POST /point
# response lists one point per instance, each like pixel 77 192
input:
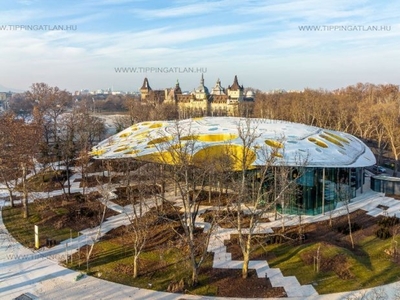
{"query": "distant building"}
pixel 147 94
pixel 277 91
pixel 84 92
pixel 5 96
pixel 4 100
pixel 201 102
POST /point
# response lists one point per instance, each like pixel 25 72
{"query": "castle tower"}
pixel 235 91
pixel 145 90
pixel 201 92
pixel 218 89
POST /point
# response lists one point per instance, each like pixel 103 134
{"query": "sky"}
pixel 79 44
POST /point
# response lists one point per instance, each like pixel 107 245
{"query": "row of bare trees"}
pixel 371 112
pixel 18 145
pixel 51 129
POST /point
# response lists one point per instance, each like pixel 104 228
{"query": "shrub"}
pixel 388 221
pixel 79 198
pixel 345 229
pixel 383 233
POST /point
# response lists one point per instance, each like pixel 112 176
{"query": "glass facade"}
pixel 385 184
pixel 313 191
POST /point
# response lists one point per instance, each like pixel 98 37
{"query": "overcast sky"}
pixel 259 41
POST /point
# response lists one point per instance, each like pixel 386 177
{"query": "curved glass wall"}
pixel 313 190
pixel 386 184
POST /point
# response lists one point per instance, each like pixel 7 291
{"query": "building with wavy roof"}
pixel 326 166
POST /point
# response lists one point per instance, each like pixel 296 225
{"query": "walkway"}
pixel 38 273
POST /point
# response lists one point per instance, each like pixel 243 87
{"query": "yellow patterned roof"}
pixel 196 141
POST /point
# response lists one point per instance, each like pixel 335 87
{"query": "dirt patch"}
pixel 161 231
pixel 384 207
pixel 95 165
pixel 71 211
pixel 47 181
pixel 213 198
pixel 229 283
pixel 228 219
pixel 93 181
pixel 331 232
pixel 319 232
pixel 338 264
pixel 131 195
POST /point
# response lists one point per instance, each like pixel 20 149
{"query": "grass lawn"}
pixel 157 268
pixel 23 229
pixel 46 181
pixel 370 267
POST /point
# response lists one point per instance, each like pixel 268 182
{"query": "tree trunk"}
pixel 11 197
pixel 135 266
pixel 68 179
pixel 195 275
pixel 10 192
pixel 245 268
pixel 25 192
pixel 246 253
pixel 349 224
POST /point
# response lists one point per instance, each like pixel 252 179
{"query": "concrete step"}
pixel 303 291
pixel 389 201
pixel 375 212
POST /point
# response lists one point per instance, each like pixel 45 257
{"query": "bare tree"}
pixel 67 145
pixel 189 180
pixel 21 105
pixel 50 103
pixel 122 122
pixel 254 199
pixel 390 119
pixel 18 149
pixel 105 190
pixel 138 111
pixel 83 163
pixel 9 168
pixel 343 192
pixel 139 225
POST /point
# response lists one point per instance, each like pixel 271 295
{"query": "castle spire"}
pixel 146 84
pixel 235 86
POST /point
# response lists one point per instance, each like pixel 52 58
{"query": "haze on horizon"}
pixel 259 41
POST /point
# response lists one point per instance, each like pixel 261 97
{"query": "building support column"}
pixel 362 179
pixel 323 191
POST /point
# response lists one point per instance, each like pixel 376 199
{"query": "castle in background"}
pixel 5 98
pixel 201 102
